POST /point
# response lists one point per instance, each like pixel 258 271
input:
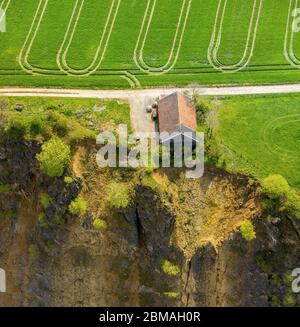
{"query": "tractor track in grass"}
pixel 177 41
pixel 271 129
pixel 216 38
pixel 140 70
pixel 63 68
pixel 98 58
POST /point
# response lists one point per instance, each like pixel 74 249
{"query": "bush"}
pixel 68 180
pixel 172 295
pixel 288 279
pixel 118 195
pixel 99 224
pixel 45 200
pixel 203 107
pixel 78 206
pixel 79 134
pixel 54 157
pixel 281 196
pixel 247 230
pixel 169 268
pixel 275 186
pixel 34 251
pixel 150 182
pixel 4 188
pixel 36 126
pixel 43 222
pixel 293 203
pixel 59 123
pixel 58 220
pixel 289 300
pixel 16 128
pixel 275 302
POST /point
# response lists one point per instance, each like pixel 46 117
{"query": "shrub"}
pixel 59 123
pixel 150 182
pixel 202 108
pixel 58 220
pixel 149 170
pixel 16 128
pixel 118 195
pixel 247 230
pixel 36 126
pixel 293 203
pixel 172 295
pixel 99 224
pixel 288 279
pixel 78 206
pixel 79 134
pixel 45 200
pixel 275 280
pixel 4 188
pixel 68 180
pixel 34 251
pixel 43 222
pixel 275 302
pixel 275 186
pixel 280 195
pixel 54 157
pixel 289 300
pixel 169 268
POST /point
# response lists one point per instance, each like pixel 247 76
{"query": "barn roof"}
pixel 176 113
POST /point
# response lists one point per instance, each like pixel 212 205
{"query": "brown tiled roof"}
pixel 174 111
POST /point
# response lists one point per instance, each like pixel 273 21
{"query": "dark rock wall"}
pixel 78 266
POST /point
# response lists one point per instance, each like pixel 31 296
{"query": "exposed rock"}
pixel 19 107
pixel 87 222
pixel 121 265
pixel 3 154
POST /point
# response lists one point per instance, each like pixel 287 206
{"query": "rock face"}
pixel 240 273
pixel 121 266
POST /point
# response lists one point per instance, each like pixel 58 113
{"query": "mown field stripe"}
pixel 30 38
pixel 177 41
pixel 217 36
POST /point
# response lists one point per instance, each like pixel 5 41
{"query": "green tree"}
pixel 247 230
pixel 78 206
pixel 275 186
pixel 99 224
pixel 45 200
pixel 280 196
pixel 169 268
pixel 118 195
pixel 68 180
pixel 54 157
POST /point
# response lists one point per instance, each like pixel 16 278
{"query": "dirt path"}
pixel 126 94
pixel 139 98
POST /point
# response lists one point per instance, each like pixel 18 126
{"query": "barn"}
pixel 176 118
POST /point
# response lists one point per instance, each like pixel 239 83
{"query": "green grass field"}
pixel 144 43
pixel 260 135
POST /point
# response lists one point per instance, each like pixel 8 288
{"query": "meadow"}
pixel 130 43
pixel 260 135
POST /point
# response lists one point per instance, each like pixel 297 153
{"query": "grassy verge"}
pixel 70 119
